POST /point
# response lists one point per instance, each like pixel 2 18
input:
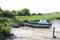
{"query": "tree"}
pixel 13 12
pixel 7 13
pixel 4 29
pixel 40 14
pixel 1 14
pixel 20 13
pixel 34 14
pixel 25 11
pixel 0 9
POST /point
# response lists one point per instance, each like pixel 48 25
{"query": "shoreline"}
pixel 28 33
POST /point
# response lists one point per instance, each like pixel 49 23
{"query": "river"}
pixel 28 33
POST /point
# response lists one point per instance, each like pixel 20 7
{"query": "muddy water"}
pixel 28 33
pixel 56 24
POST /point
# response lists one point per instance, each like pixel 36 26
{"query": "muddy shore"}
pixel 28 33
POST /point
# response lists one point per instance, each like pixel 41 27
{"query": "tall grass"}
pixel 38 17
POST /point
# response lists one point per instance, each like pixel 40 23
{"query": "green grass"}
pixel 38 17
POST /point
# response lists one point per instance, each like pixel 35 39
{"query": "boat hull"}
pixel 38 25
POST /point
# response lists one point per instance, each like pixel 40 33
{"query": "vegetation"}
pixel 4 28
pixel 20 16
pixel 38 17
pixel 7 13
pixel 24 12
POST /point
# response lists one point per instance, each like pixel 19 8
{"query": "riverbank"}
pixel 28 33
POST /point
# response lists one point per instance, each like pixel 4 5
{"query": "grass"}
pixel 38 17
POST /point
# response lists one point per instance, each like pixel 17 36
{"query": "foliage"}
pixel 20 13
pixel 38 17
pixel 1 14
pixel 4 29
pixel 0 9
pixel 13 12
pixel 40 14
pixel 7 13
pixel 25 12
pixel 34 14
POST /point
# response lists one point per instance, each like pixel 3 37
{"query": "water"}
pixel 28 33
pixel 56 24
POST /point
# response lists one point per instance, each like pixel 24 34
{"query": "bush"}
pixel 6 32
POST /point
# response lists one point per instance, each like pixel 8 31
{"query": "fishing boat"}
pixel 41 23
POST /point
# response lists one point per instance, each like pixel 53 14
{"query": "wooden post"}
pixel 54 32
